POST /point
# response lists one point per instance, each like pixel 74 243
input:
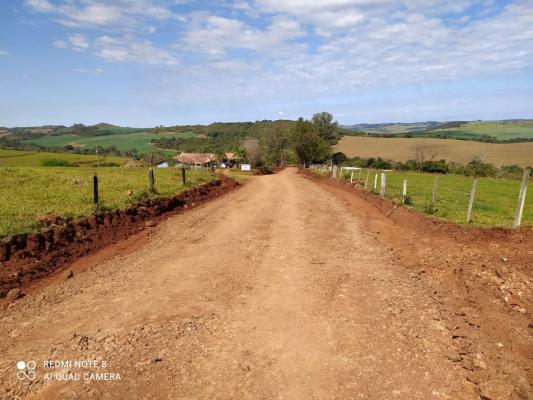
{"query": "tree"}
pixel 423 153
pixel 274 144
pixel 478 167
pixel 251 148
pixel 338 158
pixel 326 128
pixel 308 144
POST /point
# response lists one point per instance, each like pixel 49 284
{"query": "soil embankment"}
pixel 481 279
pixel 25 258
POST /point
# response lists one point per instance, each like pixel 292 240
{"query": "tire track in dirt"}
pixel 272 291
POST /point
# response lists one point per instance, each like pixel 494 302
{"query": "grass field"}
pixel 124 142
pixel 497 129
pixel 461 151
pixel 27 193
pixel 494 205
pixel 15 158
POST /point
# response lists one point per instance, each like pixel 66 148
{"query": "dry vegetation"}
pixel 461 151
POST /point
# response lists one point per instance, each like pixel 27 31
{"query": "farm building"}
pixel 196 159
pixel 163 164
pixel 229 160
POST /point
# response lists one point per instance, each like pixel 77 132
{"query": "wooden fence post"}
pixel 351 178
pixel 95 190
pixel 471 201
pixel 435 188
pixel 521 199
pixel 183 176
pixel 366 180
pixel 376 182
pixel 404 190
pixel 334 172
pixel 383 184
pixel 151 180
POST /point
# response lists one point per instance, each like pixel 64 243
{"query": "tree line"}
pixel 475 167
pixel 262 143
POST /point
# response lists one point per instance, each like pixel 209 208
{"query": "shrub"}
pixel 57 162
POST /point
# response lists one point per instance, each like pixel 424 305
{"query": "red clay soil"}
pixel 25 258
pixel 480 277
pixel 293 287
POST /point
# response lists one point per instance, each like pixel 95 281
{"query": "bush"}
pixel 478 168
pixel 438 167
pixel 430 209
pixel 57 162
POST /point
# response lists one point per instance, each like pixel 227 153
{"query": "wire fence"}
pixel 26 194
pixel 495 202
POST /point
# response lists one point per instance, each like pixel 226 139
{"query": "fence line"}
pixel 495 202
pixel 471 201
pixel 521 199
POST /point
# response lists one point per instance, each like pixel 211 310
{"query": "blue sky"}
pixel 151 62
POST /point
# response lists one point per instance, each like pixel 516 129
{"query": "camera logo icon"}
pixel 26 370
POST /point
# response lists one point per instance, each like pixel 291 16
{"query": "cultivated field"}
pixel 500 130
pixel 27 193
pixel 15 158
pixel 139 141
pixel 494 204
pixel 461 151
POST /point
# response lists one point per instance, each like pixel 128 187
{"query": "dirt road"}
pixel 272 291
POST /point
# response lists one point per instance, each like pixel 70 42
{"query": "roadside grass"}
pixel 27 193
pixel 124 142
pixel 16 158
pixel 238 175
pixel 494 203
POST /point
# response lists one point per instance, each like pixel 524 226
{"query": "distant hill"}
pixel 500 130
pixel 486 131
pixel 397 127
pixel 105 125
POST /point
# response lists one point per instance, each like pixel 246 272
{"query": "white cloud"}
pixel 76 42
pixel 215 35
pixel 332 16
pixel 298 48
pixel 60 44
pixel 129 49
pixel 87 70
pixel 117 14
pixel 3 53
pixel 372 52
pixel 40 5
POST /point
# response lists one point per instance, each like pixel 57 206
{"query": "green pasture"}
pixel 27 193
pixel 500 130
pixel 494 205
pixel 141 141
pixel 16 158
